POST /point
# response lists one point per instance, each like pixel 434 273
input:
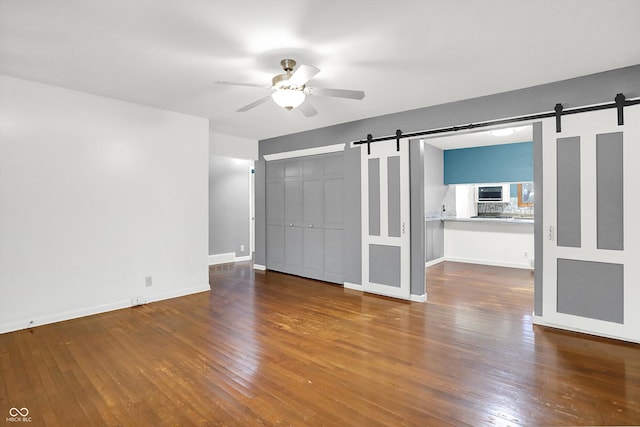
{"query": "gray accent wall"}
pixel 229 189
pixel 538 227
pixel 435 190
pixel 352 217
pixel 585 90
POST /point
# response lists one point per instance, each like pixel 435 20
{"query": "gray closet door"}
pixel 333 219
pixel 293 236
pixel 305 205
pixel 312 217
pixel 275 216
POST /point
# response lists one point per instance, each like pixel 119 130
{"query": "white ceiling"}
pixel 404 54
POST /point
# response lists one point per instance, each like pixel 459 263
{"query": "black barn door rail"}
pixel 619 103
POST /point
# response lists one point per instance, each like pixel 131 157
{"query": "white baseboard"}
pixel 538 320
pixel 489 262
pixel 434 262
pixel 89 311
pixel 227 258
pixel 222 258
pixel 418 298
pixel 352 286
pixel 259 267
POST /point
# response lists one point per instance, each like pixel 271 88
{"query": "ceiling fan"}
pixel 290 90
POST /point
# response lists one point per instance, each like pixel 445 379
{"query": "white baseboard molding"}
pixel 89 311
pixel 222 258
pixel 434 262
pixel 259 267
pixel 538 320
pixel 418 298
pixel 353 286
pixel 489 262
pixel 227 258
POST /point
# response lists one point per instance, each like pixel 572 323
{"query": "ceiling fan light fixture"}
pixel 288 98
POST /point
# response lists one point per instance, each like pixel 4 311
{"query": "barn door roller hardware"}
pixel 619 103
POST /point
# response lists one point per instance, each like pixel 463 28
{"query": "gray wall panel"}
pixel 275 203
pixel 293 246
pixel 313 252
pixel 384 265
pixel 352 217
pixel 334 166
pixel 374 197
pixel 393 194
pixel 569 210
pixel 293 202
pixel 538 227
pixel 610 185
pixel 275 247
pixel 313 203
pixel 275 171
pixel 292 169
pixel 229 189
pixel 313 168
pixel 334 203
pixel 591 289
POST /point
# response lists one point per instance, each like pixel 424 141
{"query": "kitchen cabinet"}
pixel 434 239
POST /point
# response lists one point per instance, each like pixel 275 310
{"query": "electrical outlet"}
pixel 526 254
pixel 241 248
pixel 148 281
pixel 137 301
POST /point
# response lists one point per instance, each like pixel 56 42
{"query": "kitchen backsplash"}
pixel 510 208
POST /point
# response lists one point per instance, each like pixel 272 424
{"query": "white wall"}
pixel 233 146
pixel 96 194
pixel 489 243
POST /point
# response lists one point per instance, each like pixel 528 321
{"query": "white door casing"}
pixel 386 219
pixel 586 126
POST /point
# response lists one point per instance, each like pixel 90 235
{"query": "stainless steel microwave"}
pixel 490 193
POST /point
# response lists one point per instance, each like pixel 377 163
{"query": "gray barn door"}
pixel 592 235
pixel 304 216
pixel 385 219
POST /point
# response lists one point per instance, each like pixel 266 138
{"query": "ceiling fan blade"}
pixel 223 82
pixel 307 109
pixel 303 74
pixel 336 93
pixel 254 104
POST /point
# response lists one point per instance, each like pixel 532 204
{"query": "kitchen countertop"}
pixel 490 219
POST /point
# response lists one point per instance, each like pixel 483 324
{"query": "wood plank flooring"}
pixel 264 348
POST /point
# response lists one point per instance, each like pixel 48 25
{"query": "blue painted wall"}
pixel 493 163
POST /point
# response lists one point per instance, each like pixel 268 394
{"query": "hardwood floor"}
pixel 264 348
